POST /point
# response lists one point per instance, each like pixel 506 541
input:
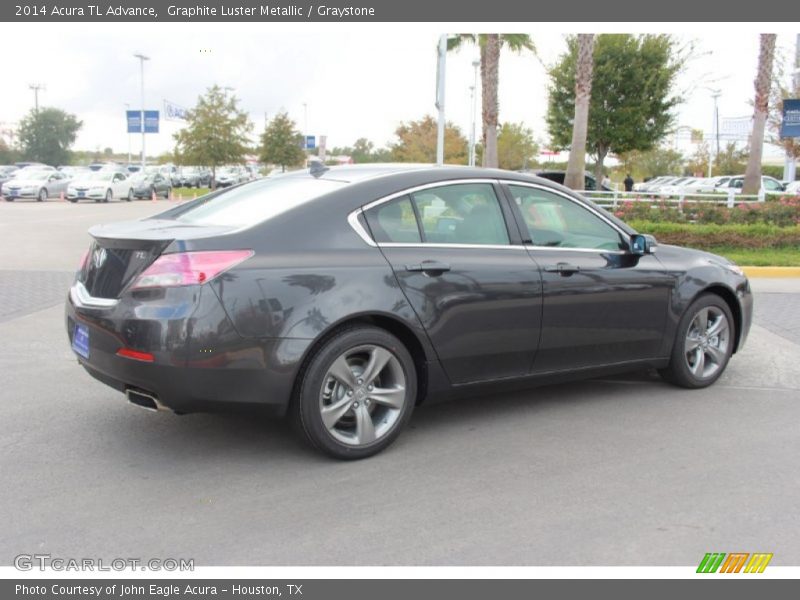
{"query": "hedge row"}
pixel 732 235
pixel 783 212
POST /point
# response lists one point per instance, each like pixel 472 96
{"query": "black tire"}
pixel 166 193
pixel 42 195
pixel 306 406
pixel 109 196
pixel 129 197
pixel 8 199
pixel 679 371
pixel 73 200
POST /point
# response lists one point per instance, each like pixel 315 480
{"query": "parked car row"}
pixel 672 186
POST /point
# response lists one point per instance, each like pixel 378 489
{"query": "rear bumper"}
pixel 199 362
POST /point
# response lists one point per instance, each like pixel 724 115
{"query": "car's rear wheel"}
pixel 703 343
pixel 356 393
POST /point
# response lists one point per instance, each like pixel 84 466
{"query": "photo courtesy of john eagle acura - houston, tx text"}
pixel 343 297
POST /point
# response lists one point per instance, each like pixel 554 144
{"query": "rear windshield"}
pixel 254 202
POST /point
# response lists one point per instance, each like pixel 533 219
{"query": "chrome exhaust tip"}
pixel 144 400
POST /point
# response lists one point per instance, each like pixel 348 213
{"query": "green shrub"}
pixel 781 211
pixel 736 235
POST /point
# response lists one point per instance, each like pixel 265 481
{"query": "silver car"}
pixel 35 182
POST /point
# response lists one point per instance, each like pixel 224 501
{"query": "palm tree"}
pixel 574 177
pixel 490 45
pixel 766 56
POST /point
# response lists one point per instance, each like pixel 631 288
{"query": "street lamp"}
pixel 142 58
pixel 127 108
pixel 715 94
pixel 474 99
pixel 36 87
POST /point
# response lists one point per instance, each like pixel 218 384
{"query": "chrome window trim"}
pixel 427 186
pixel 571 199
pixel 352 219
pixel 81 297
pixel 440 245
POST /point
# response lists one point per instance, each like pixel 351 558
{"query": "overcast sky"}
pixel 357 80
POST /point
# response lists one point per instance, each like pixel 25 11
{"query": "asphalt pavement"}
pixel 619 471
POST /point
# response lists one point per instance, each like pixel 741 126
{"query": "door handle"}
pixel 429 267
pixel 564 269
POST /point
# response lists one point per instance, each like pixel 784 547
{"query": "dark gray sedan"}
pixel 345 297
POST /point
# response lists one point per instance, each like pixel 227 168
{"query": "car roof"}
pixel 367 172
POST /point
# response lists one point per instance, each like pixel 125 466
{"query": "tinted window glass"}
pixel 555 221
pixel 467 213
pixel 257 201
pixel 394 221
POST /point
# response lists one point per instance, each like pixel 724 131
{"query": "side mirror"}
pixel 643 244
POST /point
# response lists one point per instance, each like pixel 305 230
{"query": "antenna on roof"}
pixel 317 168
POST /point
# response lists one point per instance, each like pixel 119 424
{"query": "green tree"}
pixel 698 162
pixel 47 134
pixel 657 161
pixel 516 148
pixel 763 84
pixel 216 132
pixel 730 160
pixel 574 177
pixel 631 100
pixel 8 155
pixel 282 143
pixel 490 45
pixel 417 143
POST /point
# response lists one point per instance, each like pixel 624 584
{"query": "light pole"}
pixel 474 98
pixel 715 94
pixel 142 58
pixel 36 87
pixel 127 108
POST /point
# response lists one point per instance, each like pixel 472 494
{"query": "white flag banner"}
pixel 174 112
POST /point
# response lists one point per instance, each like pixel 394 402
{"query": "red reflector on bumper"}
pixel 135 355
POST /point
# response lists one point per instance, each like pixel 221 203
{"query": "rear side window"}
pixel 394 222
pixel 467 213
pixel 255 202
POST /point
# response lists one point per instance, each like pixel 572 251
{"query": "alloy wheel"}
pixel 707 341
pixel 362 395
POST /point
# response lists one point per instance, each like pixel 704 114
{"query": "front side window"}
pixel 555 221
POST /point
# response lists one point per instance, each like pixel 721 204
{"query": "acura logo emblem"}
pixel 99 257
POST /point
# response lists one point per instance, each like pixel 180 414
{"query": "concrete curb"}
pixel 772 271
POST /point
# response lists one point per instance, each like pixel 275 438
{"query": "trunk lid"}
pixel 121 251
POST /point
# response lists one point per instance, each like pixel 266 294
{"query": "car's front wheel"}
pixel 109 196
pixel 356 393
pixel 129 197
pixel 42 197
pixel 703 343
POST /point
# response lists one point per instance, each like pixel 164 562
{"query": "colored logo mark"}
pixel 734 562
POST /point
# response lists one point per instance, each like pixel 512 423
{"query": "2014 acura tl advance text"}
pixel 344 297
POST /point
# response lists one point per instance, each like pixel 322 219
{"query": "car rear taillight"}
pixel 189 268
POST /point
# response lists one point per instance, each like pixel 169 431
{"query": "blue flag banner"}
pixel 134 118
pixel 790 126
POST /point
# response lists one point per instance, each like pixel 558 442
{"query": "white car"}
pixel 101 186
pixel 40 183
pixel 769 185
pixel 710 185
pixel 793 188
